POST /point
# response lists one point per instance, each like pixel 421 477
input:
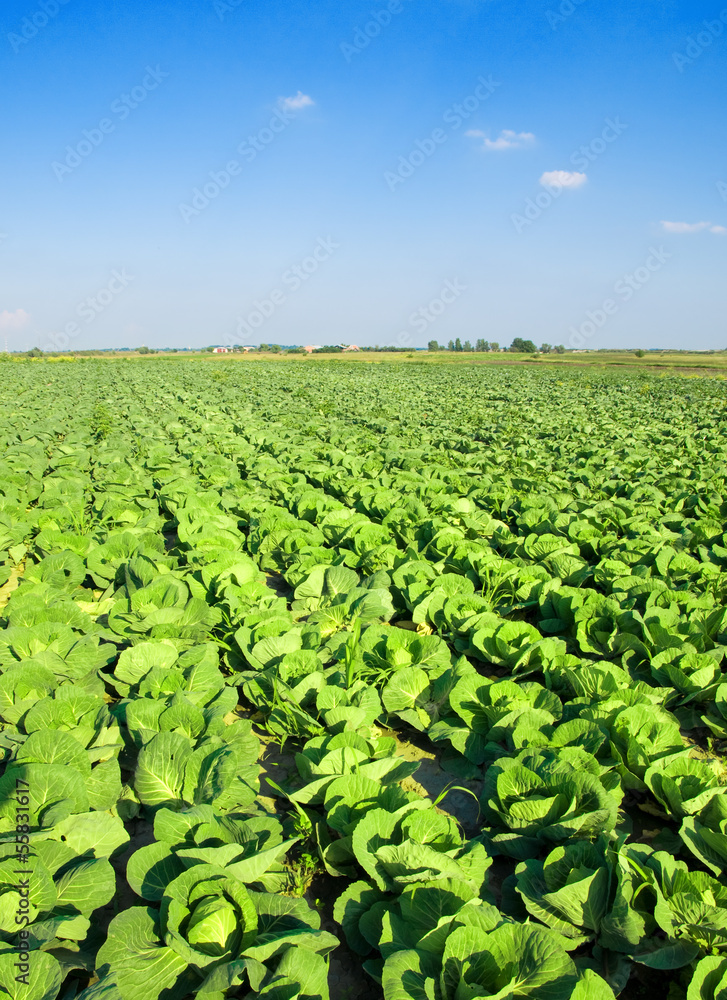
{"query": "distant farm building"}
pixel 220 350
pixel 339 347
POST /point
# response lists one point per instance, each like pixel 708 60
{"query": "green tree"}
pixel 450 345
pixel 458 344
pixel 639 353
pixel 432 345
pixel 494 346
pixel 559 349
pixel 482 345
pixel 35 353
pixel 546 348
pixel 145 350
pixel 467 346
pixel 520 346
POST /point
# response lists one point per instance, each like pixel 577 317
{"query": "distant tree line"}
pixel 518 346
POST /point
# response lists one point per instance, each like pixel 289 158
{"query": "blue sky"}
pixel 368 172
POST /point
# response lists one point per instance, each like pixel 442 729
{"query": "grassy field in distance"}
pixel 652 362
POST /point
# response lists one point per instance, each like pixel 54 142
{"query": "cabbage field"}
pixel 250 612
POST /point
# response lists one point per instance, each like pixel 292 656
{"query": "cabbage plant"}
pixel 569 891
pixel 716 716
pixel 641 736
pixel 212 935
pixel 325 758
pixel 683 785
pixel 709 981
pixel 250 848
pixel 546 797
pixel 481 954
pixel 705 833
pixel 630 900
pixel 420 846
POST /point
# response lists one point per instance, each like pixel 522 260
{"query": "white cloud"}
pixel 563 179
pixel 684 227
pixel 507 139
pixel 680 228
pixel 300 100
pixel 13 320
